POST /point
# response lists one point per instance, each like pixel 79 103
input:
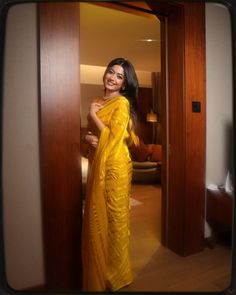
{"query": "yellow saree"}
pixel 105 235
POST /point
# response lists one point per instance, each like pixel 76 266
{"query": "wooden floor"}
pixel 158 269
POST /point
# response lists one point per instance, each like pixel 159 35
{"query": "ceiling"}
pixel 106 33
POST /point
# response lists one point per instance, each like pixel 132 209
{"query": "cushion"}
pixel 140 153
pixel 144 165
pixel 156 153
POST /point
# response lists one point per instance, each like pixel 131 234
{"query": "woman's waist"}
pixel 119 154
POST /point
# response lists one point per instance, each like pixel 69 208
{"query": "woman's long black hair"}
pixel 131 85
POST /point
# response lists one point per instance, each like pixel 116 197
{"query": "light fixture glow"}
pixel 151 117
pixel 149 40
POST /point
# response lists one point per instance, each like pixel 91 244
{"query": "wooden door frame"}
pixel 183 199
pixel 60 144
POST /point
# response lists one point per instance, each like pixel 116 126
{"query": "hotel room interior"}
pixel 137 38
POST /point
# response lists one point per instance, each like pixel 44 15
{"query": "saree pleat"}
pixel 105 234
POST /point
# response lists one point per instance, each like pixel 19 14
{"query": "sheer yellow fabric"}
pixel 105 244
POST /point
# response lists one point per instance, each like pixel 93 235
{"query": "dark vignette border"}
pixel 4 7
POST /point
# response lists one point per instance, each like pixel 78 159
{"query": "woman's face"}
pixel 114 79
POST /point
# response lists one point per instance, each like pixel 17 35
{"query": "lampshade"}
pixel 151 117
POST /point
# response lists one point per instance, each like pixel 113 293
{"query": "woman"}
pixel 105 245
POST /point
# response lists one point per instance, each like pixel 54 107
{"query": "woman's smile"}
pixel 114 79
pixel 110 82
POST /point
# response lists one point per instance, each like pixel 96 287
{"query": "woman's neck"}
pixel 109 95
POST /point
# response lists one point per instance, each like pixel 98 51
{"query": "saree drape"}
pixel 105 233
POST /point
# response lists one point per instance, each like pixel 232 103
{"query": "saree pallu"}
pixel 105 233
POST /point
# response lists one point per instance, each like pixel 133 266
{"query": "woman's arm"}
pixel 89 137
pixel 94 108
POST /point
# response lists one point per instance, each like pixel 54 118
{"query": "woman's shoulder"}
pixel 122 103
pixel 123 99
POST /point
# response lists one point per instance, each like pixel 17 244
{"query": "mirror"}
pixel 154 264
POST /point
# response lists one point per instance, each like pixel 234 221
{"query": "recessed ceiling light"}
pixel 149 40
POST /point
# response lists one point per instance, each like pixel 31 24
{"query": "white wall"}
pixel 219 97
pixel 218 93
pixel 21 180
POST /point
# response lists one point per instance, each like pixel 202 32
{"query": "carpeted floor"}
pixel 158 269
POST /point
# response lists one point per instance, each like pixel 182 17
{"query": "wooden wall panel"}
pixel 195 90
pixel 144 101
pixel 183 132
pixel 176 123
pixel 60 138
pixel 163 132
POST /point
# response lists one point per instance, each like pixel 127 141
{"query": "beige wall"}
pixel 88 93
pixel 219 95
pixel 21 181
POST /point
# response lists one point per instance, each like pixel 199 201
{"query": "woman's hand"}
pixel 94 108
pixel 91 140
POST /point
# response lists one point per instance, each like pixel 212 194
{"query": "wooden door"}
pixel 60 139
pixel 183 130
